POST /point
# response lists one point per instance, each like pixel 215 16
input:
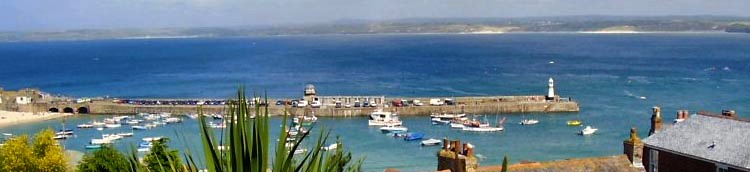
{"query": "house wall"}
pixel 669 162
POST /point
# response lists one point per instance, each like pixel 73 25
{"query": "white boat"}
pixel 172 120
pixel 588 130
pixel 381 118
pixel 144 149
pixel 448 115
pixel 332 146
pixel 159 123
pixel 112 136
pixel 393 129
pixel 100 141
pixel 99 128
pixel 431 142
pixel 455 125
pixel 85 126
pixel 132 122
pixel 300 151
pixel 112 125
pixel 165 115
pixel 214 125
pixel 438 121
pixel 192 116
pixel 95 123
pixel 61 137
pixel 307 120
pixel 529 122
pixel 483 129
pixel 130 134
pixel 139 127
pixel 150 139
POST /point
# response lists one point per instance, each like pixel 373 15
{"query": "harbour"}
pixel 612 99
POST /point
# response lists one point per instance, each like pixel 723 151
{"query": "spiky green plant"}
pixel 246 144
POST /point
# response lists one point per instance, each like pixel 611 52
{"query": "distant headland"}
pixel 571 24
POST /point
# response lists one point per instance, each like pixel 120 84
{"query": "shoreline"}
pixel 9 118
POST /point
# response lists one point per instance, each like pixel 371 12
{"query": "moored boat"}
pixel 112 125
pixel 438 121
pixel 483 129
pixel 139 127
pixel 85 126
pixel 431 142
pixel 382 118
pixel 574 122
pixel 393 129
pixel 588 131
pixel 414 136
pixel 93 146
pixel 529 122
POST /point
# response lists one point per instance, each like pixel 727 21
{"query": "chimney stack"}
pixel 633 148
pixel 682 115
pixel 655 121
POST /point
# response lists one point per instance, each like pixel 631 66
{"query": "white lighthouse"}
pixel 551 90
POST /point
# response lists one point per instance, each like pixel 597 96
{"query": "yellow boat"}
pixel 574 122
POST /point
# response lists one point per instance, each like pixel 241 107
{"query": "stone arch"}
pixel 68 110
pixel 83 110
pixel 54 109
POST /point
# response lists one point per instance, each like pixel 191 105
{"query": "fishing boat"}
pixel 305 120
pixel 150 139
pixel 448 115
pixel 112 125
pixel 381 118
pixel 93 146
pixel 139 127
pixel 96 123
pixel 332 146
pixel 431 142
pixel 457 125
pixel 588 131
pixel 393 129
pixel 172 120
pixel 438 121
pixel 65 132
pixel 85 126
pixel 414 136
pixel 529 122
pixel 574 122
pixel 61 137
pixel 483 129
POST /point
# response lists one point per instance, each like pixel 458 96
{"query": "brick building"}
pixel 704 143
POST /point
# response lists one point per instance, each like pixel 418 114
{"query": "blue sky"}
pixel 28 15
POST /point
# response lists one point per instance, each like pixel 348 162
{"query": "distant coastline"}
pixel 569 24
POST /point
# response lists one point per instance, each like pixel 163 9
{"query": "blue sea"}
pixel 606 73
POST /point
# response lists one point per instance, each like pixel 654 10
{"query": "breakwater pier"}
pixel 32 100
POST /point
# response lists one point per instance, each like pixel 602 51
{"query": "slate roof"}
pixel 696 135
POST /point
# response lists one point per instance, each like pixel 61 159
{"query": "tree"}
pixel 106 159
pixel 43 155
pixel 161 158
pixel 505 164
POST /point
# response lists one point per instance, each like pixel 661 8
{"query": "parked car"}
pixel 417 103
pixel 316 104
pixel 279 102
pixel 436 102
pixel 356 104
pixel 449 102
pixel 338 104
pixel 373 104
pixel 397 103
pixel 302 103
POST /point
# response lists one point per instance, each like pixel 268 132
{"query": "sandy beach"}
pixel 8 118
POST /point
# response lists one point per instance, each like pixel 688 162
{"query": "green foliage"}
pixel 44 154
pixel 505 164
pixel 161 158
pixel 106 159
pixel 247 144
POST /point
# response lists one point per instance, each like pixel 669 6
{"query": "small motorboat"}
pixel 455 125
pixel 99 128
pixel 413 136
pixel 588 131
pixel 332 146
pixel 93 146
pixel 300 151
pixel 85 126
pixel 125 134
pixel 574 122
pixel 112 125
pixel 144 149
pixel 95 123
pixel 132 122
pixel 65 132
pixel 529 122
pixel 172 120
pixel 146 144
pixel 61 137
pixel 431 142
pixel 139 127
pixel 393 129
pixel 438 121
pixel 150 139
pixel 448 116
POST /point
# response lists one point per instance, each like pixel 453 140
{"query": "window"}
pixel 722 168
pixel 653 160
